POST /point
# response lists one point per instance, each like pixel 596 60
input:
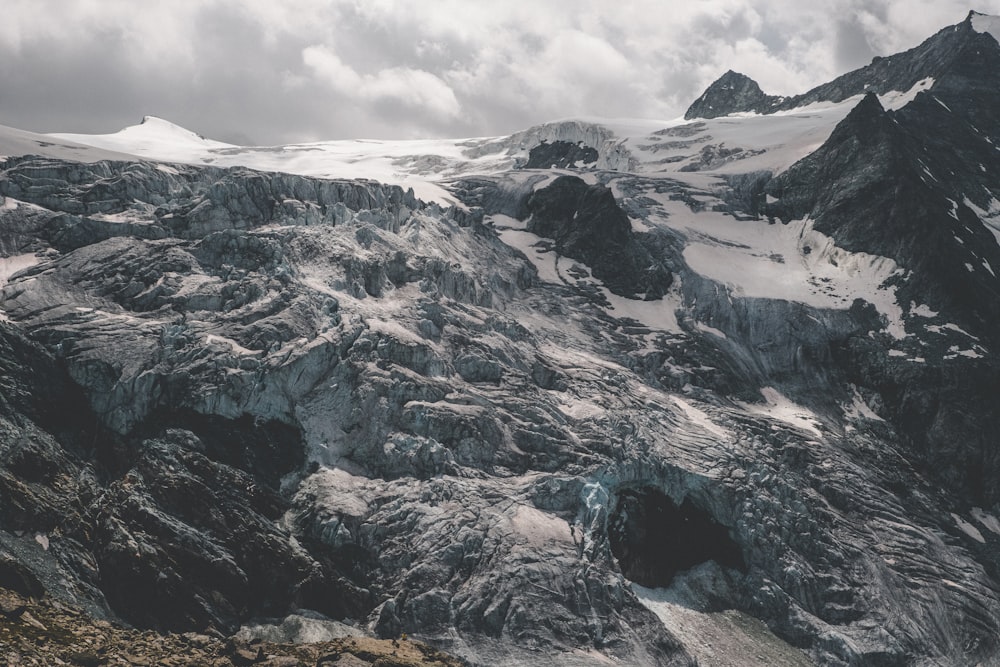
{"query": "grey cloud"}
pixel 852 47
pixel 235 70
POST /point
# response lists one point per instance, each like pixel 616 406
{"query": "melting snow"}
pixel 990 522
pixel 897 100
pixel 989 216
pixel 724 639
pixel 922 310
pixel 791 262
pixel 656 315
pixel 968 528
pixel 700 326
pixel 949 326
pixel 11 265
pixel 859 409
pixel 699 417
pixel 211 339
pixel 986 23
pixel 781 408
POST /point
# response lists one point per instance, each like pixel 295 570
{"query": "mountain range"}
pixel 720 390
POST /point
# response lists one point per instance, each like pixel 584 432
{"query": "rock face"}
pixel 589 226
pixel 561 154
pixel 581 418
pixel 734 92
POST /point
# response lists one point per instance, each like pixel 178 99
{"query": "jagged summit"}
pixel 940 55
pixel 731 92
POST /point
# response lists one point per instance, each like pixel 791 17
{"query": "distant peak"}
pixel 732 92
pixel 733 75
pixel 161 126
pixel 156 120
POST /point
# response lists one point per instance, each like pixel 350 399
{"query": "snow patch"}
pixel 11 265
pixel 701 326
pixel 894 100
pixel 990 522
pixel 954 208
pixel 724 639
pixel 790 262
pixel 213 339
pixel 538 527
pixel 657 315
pixel 990 216
pixel 781 408
pixel 858 409
pixel 699 417
pixel 922 311
pixel 949 326
pixel 986 23
pixel 968 528
pixel 11 204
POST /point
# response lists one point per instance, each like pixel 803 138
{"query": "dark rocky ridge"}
pixel 561 155
pixel 901 171
pixel 589 226
pixel 731 93
pixel 735 93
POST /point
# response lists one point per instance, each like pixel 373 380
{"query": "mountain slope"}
pixel 737 93
pixel 649 392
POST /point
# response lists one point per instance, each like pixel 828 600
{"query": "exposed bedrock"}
pixel 561 155
pixel 380 412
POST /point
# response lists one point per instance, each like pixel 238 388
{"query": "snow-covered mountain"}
pixel 716 389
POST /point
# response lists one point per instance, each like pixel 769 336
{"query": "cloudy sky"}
pixel 276 71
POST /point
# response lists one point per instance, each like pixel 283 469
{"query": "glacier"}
pixel 422 387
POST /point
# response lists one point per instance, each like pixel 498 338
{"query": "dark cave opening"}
pixel 653 538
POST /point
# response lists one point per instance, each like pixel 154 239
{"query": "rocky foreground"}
pixel 47 632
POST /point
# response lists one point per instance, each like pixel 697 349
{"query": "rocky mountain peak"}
pixel 732 92
pixel 944 53
pixel 868 110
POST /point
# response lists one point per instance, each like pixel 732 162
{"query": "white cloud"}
pixel 385 68
pixel 413 88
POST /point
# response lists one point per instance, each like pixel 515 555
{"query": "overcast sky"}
pixel 274 71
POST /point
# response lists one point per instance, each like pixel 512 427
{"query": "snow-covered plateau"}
pixel 713 390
